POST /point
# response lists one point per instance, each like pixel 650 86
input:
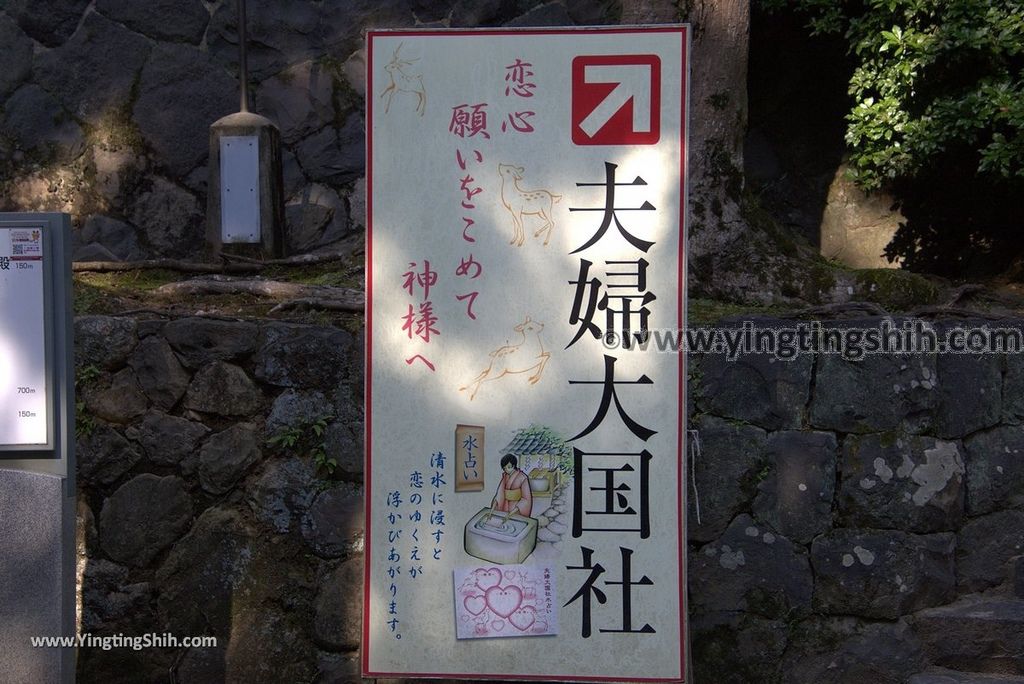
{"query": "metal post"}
pixel 243 63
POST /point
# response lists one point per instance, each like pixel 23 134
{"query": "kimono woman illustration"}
pixel 514 494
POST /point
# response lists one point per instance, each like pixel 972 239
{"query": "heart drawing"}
pixel 485 579
pixel 493 601
pixel 504 600
pixel 475 604
pixel 523 618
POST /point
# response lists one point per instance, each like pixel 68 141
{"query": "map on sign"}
pixel 524 419
pixel 23 386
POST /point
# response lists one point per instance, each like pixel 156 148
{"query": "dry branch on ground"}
pixel 164 264
pixel 291 295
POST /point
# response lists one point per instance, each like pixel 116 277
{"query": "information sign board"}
pixel 25 419
pixel 524 404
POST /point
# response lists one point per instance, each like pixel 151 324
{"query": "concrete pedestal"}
pixel 37 577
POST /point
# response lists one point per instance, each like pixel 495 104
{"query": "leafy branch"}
pixel 930 77
pixel 85 424
pixel 306 438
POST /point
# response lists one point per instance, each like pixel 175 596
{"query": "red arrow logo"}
pixel 616 100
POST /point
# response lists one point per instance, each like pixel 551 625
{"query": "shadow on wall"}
pixel 796 87
pixel 960 226
pixel 110 121
pixel 192 521
pixel 947 222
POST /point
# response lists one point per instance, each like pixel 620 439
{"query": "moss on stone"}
pixel 849 445
pixel 738 652
pixel 104 293
pixel 353 323
pixel 895 290
pixel 761 601
pixel 714 647
pixel 722 169
pixel 708 311
pixel 716 207
pixel 762 474
pixel 887 439
pixel 344 98
pixel 816 635
pixel 285 76
pixel 115 131
pixel 819 280
pixel 88 298
pixel 790 288
pixel 761 220
pixel 112 293
pixel 719 100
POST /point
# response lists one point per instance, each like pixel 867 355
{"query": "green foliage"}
pixel 705 312
pixel 85 424
pixel 286 439
pixel 306 438
pixel 86 375
pixel 762 474
pixel 930 77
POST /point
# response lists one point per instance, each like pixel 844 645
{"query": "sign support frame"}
pixel 38 483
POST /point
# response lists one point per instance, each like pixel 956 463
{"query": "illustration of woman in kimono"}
pixel 514 494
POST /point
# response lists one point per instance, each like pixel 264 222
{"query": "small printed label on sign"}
pixel 27 243
pixel 616 100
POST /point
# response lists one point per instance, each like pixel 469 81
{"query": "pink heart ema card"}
pixel 506 601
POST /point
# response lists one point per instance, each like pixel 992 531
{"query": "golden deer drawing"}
pixel 403 81
pixel 525 203
pixel 514 359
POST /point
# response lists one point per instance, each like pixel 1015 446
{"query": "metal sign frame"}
pixel 56 456
pixel 48 333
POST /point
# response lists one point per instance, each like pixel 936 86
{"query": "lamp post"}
pixel 245 209
pixel 243 58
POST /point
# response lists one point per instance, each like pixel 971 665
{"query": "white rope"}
pixel 694 454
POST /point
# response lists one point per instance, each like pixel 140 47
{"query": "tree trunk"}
pixel 730 256
pixel 718 77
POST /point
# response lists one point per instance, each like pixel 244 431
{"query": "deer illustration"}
pixel 404 82
pixel 525 203
pixel 513 359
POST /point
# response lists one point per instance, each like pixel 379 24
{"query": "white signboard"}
pixel 240 188
pixel 23 386
pixel 525 498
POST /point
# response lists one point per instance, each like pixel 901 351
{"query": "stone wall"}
pixel 191 521
pixel 842 501
pixel 106 108
pixel 841 504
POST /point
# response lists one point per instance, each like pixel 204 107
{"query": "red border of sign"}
pixel 684 32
